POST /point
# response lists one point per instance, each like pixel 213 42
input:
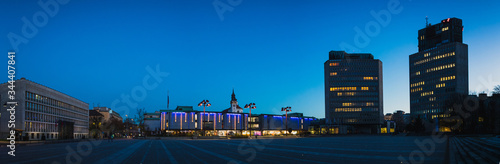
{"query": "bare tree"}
pixel 496 89
pixel 140 118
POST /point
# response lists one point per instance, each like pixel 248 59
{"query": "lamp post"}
pixel 250 106
pixel 286 110
pixel 203 103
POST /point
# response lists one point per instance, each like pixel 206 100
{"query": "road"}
pixel 342 149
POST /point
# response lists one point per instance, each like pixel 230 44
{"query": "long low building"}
pixel 184 119
pixel 44 113
pixel 231 121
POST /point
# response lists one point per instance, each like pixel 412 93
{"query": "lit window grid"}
pixel 358 104
pixel 447 78
pixel 427 93
pixel 441 85
pixel 334 64
pixel 438 68
pixel 417 84
pixel 44 112
pixel 433 58
pixel 416 89
pixel 343 88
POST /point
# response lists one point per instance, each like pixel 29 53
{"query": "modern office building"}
pixel 44 113
pixel 438 70
pixel 353 92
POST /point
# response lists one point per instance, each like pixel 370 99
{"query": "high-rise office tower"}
pixel 438 70
pixel 353 92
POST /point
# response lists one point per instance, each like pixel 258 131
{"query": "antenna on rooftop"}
pixel 426 21
pixel 168 100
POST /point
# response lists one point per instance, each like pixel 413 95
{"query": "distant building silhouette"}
pixel 438 70
pixel 353 92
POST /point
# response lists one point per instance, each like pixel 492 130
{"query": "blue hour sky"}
pixel 270 52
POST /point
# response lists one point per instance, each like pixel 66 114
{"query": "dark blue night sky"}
pixel 270 52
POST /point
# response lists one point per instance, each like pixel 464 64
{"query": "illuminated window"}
pixel 417 73
pixel 339 93
pixel 417 84
pixel 347 104
pixel 343 88
pixel 368 78
pixel 416 89
pixel 427 93
pixel 334 64
pixel 348 110
pixel 444 29
pixel 440 85
pixel 432 98
pixel 434 58
pixel 333 73
pixel 426 54
pixel 364 88
pixel 350 93
pixel 441 67
pixel 447 78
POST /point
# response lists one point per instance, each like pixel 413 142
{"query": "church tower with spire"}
pixel 235 108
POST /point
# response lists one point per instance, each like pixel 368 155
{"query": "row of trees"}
pixel 101 128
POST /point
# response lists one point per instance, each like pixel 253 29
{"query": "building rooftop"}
pixel 335 55
pixel 95 113
pixel 447 31
pixel 34 83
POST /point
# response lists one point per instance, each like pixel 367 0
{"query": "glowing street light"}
pixel 203 103
pixel 250 106
pixel 286 110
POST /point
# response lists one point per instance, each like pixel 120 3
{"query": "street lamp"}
pixel 286 110
pixel 203 103
pixel 250 106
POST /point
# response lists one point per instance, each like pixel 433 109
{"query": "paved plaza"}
pixel 340 149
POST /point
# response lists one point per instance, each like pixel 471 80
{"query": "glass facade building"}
pixel 353 92
pixel 44 113
pixel 439 69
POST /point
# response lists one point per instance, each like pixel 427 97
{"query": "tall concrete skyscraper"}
pixel 353 92
pixel 438 70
